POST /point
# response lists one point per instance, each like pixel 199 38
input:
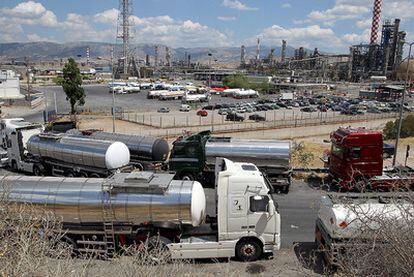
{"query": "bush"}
pixel 407 128
pixel 236 81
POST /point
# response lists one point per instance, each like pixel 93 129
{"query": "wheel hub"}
pixel 248 250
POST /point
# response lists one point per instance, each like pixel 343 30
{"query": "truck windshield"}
pixel 337 151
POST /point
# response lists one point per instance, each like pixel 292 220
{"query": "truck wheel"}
pixel 248 250
pixel 187 176
pixel 95 175
pixel 14 166
pixel 70 174
pixel 37 171
pixel 83 174
pixel 157 250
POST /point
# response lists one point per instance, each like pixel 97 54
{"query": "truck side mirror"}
pixel 271 208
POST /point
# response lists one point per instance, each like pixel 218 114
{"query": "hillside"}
pixel 50 51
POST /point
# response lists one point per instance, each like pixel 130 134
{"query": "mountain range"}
pixel 37 51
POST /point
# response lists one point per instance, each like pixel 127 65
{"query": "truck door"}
pixel 237 222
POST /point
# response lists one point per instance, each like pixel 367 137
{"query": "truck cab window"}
pixel 356 153
pixel 337 151
pixel 259 204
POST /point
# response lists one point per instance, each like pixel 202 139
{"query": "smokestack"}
pixel 283 50
pixel 243 55
pixel 376 18
pixel 88 56
pixel 258 50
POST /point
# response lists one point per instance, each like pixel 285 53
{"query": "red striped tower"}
pixel 376 18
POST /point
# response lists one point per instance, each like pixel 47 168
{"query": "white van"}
pixel 185 108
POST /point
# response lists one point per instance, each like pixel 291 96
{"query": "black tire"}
pixel 157 250
pixel 248 250
pixel 95 175
pixel 83 174
pixel 14 166
pixel 187 176
pixel 37 171
pixel 285 189
pixel 70 174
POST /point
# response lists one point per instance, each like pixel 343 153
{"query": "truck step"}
pixel 87 242
pixel 88 250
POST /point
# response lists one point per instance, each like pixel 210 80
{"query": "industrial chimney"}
pixel 376 18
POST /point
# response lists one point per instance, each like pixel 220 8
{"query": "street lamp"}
pixel 112 85
pixel 394 160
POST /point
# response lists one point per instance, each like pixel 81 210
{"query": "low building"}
pixel 9 85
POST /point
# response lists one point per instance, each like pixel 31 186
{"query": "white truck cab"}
pixel 248 223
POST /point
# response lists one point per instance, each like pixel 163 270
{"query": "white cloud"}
pixel 107 17
pixel 226 18
pixel 237 5
pixel 352 39
pixel 30 13
pixel 176 33
pixel 364 23
pixel 286 5
pixel 362 9
pixel 309 36
pixel 340 11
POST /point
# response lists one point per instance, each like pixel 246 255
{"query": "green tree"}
pixel 72 85
pixel 407 128
pixel 236 81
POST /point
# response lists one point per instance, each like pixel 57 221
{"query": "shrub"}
pixel 407 128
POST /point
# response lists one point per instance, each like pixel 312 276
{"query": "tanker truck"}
pixel 147 208
pixel 59 155
pixel 346 219
pixel 193 157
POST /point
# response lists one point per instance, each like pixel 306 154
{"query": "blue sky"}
pixel 331 25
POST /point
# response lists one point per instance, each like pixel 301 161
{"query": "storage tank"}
pixel 259 152
pixel 80 151
pixel 140 147
pixel 135 197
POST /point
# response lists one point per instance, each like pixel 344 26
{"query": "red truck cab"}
pixel 356 153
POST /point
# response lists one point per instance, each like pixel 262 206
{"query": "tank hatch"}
pixel 142 182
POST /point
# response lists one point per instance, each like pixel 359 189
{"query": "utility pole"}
pixel 113 90
pixel 394 160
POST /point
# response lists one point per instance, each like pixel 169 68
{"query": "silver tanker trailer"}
pixel 193 157
pixel 145 151
pixel 101 215
pixel 59 155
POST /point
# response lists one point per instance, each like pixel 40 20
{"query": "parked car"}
pixel 208 107
pixel 185 108
pixel 3 157
pixel 223 112
pixel 308 110
pixel 202 113
pixel 257 117
pixel 234 117
pixel 388 150
pixel 164 110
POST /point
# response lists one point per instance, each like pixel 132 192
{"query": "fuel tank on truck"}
pixel 259 152
pixel 135 197
pixel 140 147
pixel 80 151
